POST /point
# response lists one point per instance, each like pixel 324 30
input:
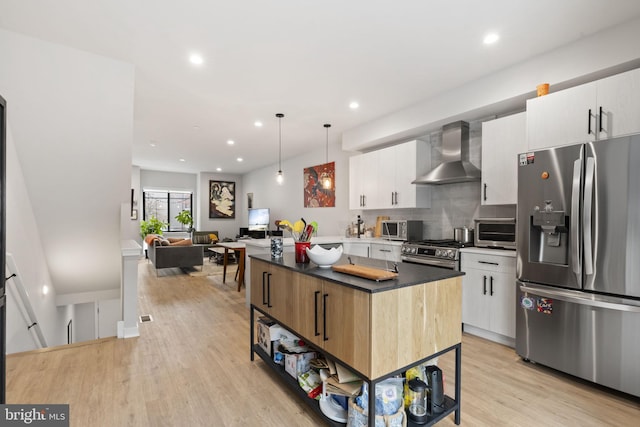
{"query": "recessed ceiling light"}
pixel 182 160
pixel 257 124
pixel 196 59
pixel 354 105
pixel 491 38
pixel 196 127
pixel 239 159
pixel 153 144
pixel 218 169
pixel 230 141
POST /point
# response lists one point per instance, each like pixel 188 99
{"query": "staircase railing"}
pixel 20 294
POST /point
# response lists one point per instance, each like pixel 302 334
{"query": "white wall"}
pixel 226 228
pixel 71 114
pixel 286 201
pixel 24 245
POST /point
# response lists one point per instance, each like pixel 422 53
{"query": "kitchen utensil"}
pixel 436 389
pixel 370 273
pixel 463 235
pixel 418 401
pixel 306 234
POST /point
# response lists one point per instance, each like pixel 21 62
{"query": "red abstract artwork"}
pixel 320 186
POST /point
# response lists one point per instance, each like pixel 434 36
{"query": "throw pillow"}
pixel 163 241
pixel 174 239
pixel 149 239
pixel 200 239
pixel 213 238
pixel 183 242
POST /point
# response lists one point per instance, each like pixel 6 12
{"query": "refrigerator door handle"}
pixel 575 209
pixel 588 216
pixel 578 297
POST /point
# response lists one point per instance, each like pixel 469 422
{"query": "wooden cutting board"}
pixel 370 273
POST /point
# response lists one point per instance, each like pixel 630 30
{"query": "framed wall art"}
pixel 222 199
pixel 320 186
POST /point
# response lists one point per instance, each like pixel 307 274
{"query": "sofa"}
pixel 170 253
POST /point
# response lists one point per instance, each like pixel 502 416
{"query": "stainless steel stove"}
pixel 437 253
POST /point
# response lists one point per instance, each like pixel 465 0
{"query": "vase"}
pixel 276 247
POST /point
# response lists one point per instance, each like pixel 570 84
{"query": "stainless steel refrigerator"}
pixel 578 261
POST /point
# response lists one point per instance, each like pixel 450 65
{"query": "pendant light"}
pixel 280 177
pixel 325 177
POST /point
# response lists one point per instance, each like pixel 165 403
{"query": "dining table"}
pixel 239 248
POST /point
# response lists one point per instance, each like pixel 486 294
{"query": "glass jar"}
pixel 418 401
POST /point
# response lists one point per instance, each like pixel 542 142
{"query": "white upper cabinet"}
pixel 382 179
pixel 502 140
pixel 598 110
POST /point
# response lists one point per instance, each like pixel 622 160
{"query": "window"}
pixel 165 205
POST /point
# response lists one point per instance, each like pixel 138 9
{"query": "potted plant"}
pixel 152 226
pixel 185 219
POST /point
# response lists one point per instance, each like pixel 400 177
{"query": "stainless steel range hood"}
pixel 455 166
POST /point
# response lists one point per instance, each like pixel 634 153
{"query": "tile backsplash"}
pixel 452 205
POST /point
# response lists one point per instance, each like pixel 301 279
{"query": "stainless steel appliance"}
pixel 578 261
pixel 497 233
pixel 437 253
pixel 401 229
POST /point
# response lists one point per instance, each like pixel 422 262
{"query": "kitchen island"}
pixel 357 245
pixel 377 329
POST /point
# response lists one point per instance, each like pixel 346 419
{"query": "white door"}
pixel 109 312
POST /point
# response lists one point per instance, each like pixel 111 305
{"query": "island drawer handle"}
pixel 315 313
pixel 324 317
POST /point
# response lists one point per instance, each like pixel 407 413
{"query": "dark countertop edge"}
pixel 410 274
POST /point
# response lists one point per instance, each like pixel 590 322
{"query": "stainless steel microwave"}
pixel 495 233
pixel 402 229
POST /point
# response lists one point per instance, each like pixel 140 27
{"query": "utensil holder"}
pixel 301 252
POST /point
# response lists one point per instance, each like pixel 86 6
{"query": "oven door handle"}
pixel 435 262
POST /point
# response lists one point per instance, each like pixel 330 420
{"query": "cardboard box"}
pixel 298 363
pixel 269 334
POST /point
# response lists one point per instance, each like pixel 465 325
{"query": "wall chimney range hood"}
pixel 455 166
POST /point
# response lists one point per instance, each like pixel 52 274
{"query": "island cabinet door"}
pixel 280 295
pixel 271 290
pixel 346 333
pixel 307 310
pixel 259 271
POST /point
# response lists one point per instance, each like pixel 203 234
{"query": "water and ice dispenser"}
pixel 549 235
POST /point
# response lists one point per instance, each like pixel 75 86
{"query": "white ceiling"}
pixel 306 59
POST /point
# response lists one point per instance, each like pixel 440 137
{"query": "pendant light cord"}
pixel 327 126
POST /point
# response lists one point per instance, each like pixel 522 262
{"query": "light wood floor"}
pixel 191 366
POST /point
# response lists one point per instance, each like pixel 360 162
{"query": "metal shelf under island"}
pixel 376 329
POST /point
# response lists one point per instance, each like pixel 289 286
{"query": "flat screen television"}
pixel 258 219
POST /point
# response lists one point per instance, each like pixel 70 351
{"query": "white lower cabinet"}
pixel 385 252
pixel 488 296
pixel 377 250
pixel 356 248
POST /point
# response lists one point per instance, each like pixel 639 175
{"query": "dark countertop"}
pixel 409 274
